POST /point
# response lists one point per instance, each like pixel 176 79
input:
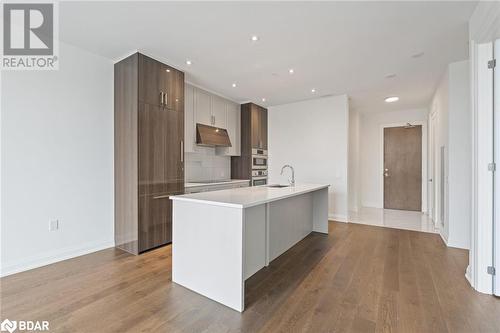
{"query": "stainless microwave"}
pixel 259 159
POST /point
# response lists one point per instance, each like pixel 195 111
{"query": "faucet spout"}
pixel 290 180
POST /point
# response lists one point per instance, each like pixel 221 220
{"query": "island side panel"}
pixel 255 239
pixel 207 251
pixel 320 211
pixel 289 221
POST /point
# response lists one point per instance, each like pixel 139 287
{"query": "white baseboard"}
pixel 468 276
pixel 445 241
pixel 51 257
pixel 338 217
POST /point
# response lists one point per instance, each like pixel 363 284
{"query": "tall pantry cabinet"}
pixel 149 152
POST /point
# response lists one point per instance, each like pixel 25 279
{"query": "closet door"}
pixel 496 108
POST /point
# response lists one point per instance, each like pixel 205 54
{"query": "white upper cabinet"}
pixel 233 120
pixel 218 112
pixel 189 119
pixel 203 107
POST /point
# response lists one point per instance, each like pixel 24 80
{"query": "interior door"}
pixel 403 168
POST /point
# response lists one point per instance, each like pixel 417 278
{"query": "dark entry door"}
pixel 403 168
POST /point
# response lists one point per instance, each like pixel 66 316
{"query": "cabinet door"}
pixel 175 151
pixel 263 128
pixel 189 122
pixel 172 84
pixel 150 81
pixel 155 221
pixel 202 107
pixel 255 126
pixel 152 129
pixel 219 112
pixel 233 117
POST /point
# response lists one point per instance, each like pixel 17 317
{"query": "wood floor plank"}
pixel 357 279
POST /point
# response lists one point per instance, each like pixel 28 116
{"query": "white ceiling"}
pixel 334 47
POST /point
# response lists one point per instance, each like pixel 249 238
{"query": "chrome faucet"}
pixel 291 181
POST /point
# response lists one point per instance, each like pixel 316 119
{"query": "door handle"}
pixel 165 98
pixel 161 97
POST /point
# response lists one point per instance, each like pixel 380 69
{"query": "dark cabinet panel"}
pixel 255 127
pixel 172 84
pixel 153 126
pixel 155 228
pixel 157 163
pixel 263 128
pixel 175 147
pixel 150 81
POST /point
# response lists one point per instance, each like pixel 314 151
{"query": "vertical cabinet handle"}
pixel 182 150
pixel 161 97
pixel 165 98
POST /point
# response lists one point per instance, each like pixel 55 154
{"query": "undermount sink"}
pixel 277 186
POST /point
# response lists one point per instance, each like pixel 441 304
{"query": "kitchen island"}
pixel 222 238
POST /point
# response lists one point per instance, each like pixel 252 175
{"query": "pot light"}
pixel 234 85
pixel 263 99
pixel 168 70
pixel 255 38
pixel 188 62
pixel 291 71
pixel 391 99
pixel 313 90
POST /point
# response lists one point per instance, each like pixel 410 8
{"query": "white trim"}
pixel 423 123
pixel 51 257
pixel 338 218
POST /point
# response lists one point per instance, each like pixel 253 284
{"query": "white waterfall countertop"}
pixel 249 196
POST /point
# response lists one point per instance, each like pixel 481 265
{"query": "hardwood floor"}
pixel 358 279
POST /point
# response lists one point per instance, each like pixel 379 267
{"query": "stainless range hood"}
pixel 212 136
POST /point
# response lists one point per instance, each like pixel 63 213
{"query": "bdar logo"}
pixel 8 325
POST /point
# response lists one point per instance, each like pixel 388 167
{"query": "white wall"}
pixel 57 161
pixel 354 162
pixel 450 108
pixel 312 136
pixel 371 149
pixel 459 156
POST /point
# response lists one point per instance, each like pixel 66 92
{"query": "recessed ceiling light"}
pixel 263 99
pixel 417 55
pixel 255 38
pixel 391 99
pixel 188 62
pixel 168 70
pixel 313 90
pixel 390 76
pixel 291 71
pixel 234 85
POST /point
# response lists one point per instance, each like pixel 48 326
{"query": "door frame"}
pixel 432 185
pixel 422 123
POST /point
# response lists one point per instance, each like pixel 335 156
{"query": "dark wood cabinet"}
pixel 253 136
pixel 149 156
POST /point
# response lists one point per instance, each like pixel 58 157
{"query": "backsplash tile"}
pixel 205 165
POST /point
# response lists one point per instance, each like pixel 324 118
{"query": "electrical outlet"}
pixel 53 225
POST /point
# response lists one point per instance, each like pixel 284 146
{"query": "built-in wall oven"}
pixel 259 177
pixel 259 167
